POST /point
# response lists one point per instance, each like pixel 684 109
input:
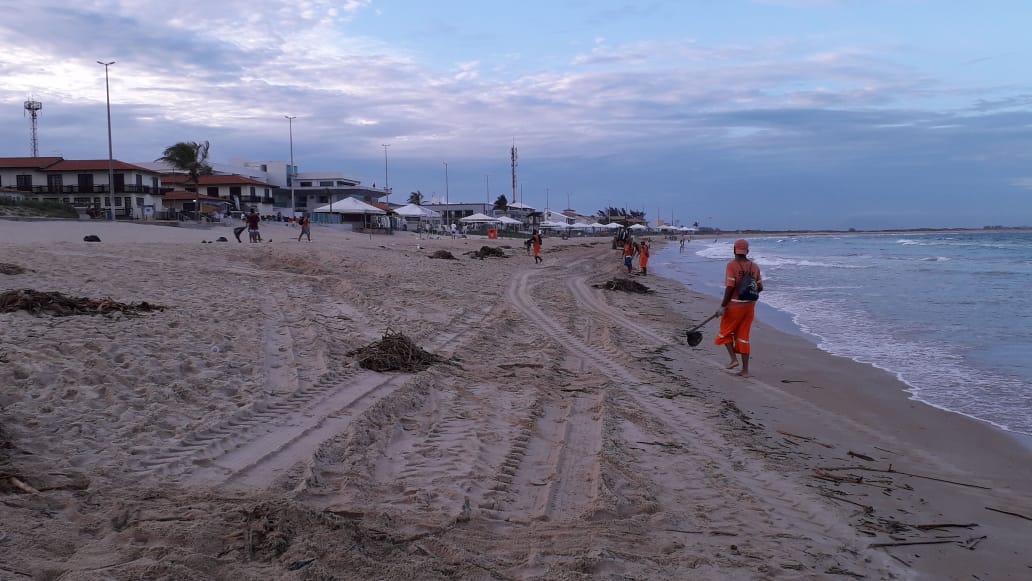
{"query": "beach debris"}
pixel 6 268
pixel 91 238
pixel 1019 515
pixel 624 284
pixel 221 239
pixel 394 352
pixel 805 438
pixel 945 526
pixel 860 456
pixel 443 254
pixel 891 470
pixel 59 304
pixel 487 252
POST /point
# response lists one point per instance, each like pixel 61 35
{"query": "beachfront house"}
pixel 84 184
pixel 238 192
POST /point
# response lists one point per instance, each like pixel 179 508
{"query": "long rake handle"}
pixel 699 326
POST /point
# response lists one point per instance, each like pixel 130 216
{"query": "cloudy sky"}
pixel 733 113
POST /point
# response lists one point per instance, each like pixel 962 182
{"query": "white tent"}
pixel 580 225
pixel 478 218
pixel 550 224
pixel 417 211
pixel 613 226
pixel 349 206
pixel 508 220
pixel 638 227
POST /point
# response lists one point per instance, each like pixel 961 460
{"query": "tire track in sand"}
pixel 726 470
pixel 263 441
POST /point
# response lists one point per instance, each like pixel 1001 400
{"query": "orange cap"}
pixel 741 246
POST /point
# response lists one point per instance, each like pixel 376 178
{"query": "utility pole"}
pixel 290 174
pixel 445 182
pixel 110 154
pixel 386 179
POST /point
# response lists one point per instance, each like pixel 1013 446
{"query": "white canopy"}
pixel 520 206
pixel 349 206
pixel 612 225
pixel 580 225
pixel 478 217
pixel 416 211
pixel 596 224
pixel 550 224
pixel 637 227
pixel 508 220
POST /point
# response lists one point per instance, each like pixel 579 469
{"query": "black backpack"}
pixel 748 288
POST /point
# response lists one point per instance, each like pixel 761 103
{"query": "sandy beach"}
pixel 568 431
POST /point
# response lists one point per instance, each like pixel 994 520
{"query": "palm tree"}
pixel 501 203
pixel 190 157
pixel 416 198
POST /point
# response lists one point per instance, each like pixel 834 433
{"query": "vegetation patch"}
pixel 443 254
pixel 59 304
pixel 9 207
pixel 624 284
pixel 395 352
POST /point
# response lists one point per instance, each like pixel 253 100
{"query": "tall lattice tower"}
pixel 34 107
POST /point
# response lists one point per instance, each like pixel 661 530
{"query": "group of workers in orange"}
pixel 639 248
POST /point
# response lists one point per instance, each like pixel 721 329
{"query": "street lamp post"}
pixel 110 151
pixel 290 174
pixel 445 182
pixel 386 177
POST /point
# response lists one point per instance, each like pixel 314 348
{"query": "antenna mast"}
pixel 512 155
pixel 34 107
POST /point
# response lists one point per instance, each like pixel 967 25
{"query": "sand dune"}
pixel 568 434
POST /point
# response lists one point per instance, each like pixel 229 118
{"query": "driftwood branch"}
pixel 890 470
pixel 908 543
pixel 22 486
pixel 1019 515
pixel 945 526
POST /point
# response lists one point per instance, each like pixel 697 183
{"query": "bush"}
pixel 34 208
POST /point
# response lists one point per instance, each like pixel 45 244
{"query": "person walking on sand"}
pixel 252 220
pixel 535 242
pixel 736 312
pixel 643 257
pixel 629 249
pixel 306 228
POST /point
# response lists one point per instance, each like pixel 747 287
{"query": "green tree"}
pixel 416 198
pixel 190 157
pixel 501 203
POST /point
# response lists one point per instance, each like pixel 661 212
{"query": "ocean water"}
pixel 950 314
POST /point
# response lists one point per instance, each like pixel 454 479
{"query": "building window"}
pixel 154 183
pixel 82 202
pixel 54 183
pixel 139 202
pixel 254 190
pixel 213 191
pixel 326 184
pixel 266 192
pixel 139 179
pixel 306 184
pixel 85 182
pixel 323 199
pixel 24 182
pixel 234 191
pixel 118 200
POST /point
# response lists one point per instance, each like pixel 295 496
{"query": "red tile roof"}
pixel 185 195
pixel 28 162
pixel 214 180
pixel 95 165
